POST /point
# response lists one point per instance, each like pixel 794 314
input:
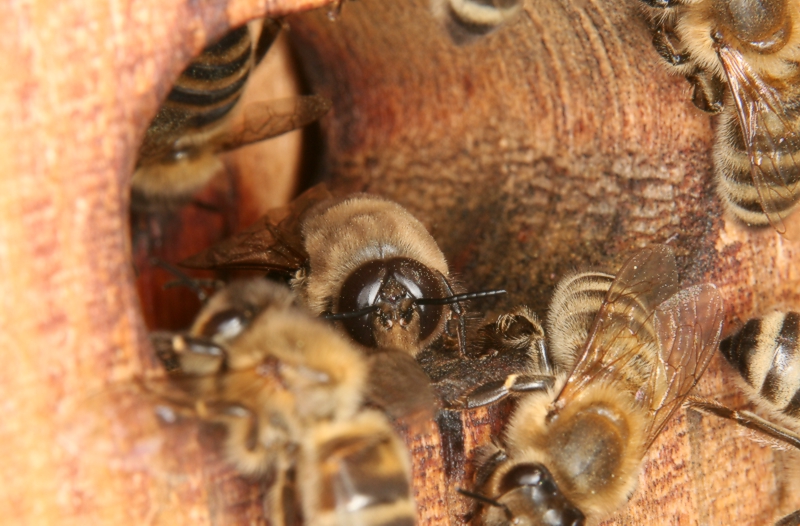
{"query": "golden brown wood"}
pixel 80 82
pixel 557 142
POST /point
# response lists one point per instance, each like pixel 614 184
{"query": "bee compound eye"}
pixel 227 324
pixel 420 282
pixel 390 283
pixel 360 290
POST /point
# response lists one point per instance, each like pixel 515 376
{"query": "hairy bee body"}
pixel 635 346
pixel 467 20
pixel 291 394
pixel 362 261
pixel 202 117
pixel 742 58
pixel 766 353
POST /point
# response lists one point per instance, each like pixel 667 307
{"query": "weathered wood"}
pixel 80 82
pixel 558 142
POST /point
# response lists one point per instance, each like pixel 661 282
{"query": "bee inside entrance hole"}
pixel 226 145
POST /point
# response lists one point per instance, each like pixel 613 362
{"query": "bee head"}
pixel 528 491
pixel 384 295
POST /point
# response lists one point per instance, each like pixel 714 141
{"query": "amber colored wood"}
pixel 558 142
pixel 80 82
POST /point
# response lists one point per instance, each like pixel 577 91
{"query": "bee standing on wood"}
pixel 291 394
pixel 572 453
pixel 742 58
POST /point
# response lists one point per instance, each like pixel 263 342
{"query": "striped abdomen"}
pixel 204 93
pixel 467 20
pixel 573 312
pixel 777 149
pixel 766 353
pixel 574 306
pixel 356 472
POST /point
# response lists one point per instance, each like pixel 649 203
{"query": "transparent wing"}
pixel 688 326
pixel 273 242
pixel 175 136
pixel 398 386
pixel 650 339
pixel 772 142
pixel 622 345
pixel 261 120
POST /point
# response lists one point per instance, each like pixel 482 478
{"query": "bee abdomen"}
pixel 212 83
pixel 364 475
pixel 734 173
pixel 575 304
pixel 766 353
pixel 470 19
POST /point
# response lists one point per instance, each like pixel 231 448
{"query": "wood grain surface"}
pixel 559 142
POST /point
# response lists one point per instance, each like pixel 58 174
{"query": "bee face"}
pixel 572 451
pixel 740 55
pixel 290 393
pixel 361 261
pixel 392 285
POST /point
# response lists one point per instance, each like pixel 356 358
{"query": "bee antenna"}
pixel 348 315
pixel 459 297
pixel 183 278
pixel 486 500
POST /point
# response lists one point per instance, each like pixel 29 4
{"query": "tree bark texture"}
pixel 81 80
pixel 559 142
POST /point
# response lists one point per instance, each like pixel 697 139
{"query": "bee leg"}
pixel 709 92
pixel 746 419
pixel 183 279
pixel 247 445
pixel 492 392
pixel 793 519
pixel 662 41
pixel 459 315
pixel 189 355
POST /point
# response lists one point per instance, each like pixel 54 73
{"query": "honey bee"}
pixel 361 261
pixel 467 20
pixel 750 50
pixel 766 355
pixel 201 118
pixel 290 393
pixel 572 452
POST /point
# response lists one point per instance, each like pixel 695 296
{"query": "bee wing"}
pixel 769 136
pixel 256 122
pixel 274 242
pixel 398 386
pixel 265 119
pixel 689 326
pixel 623 331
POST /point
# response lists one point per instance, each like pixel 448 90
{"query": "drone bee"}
pixel 750 49
pixel 467 20
pixel 290 392
pixel 572 452
pixel 766 354
pixel 362 261
pixel 201 117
